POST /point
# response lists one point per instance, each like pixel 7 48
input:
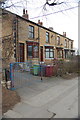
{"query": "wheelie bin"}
pixel 49 71
pixel 36 69
pixel 42 70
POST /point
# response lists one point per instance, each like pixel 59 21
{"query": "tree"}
pixel 2 2
pixel 53 3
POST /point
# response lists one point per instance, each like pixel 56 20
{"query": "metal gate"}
pixel 24 73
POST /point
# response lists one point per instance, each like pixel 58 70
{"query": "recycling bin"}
pixel 42 70
pixel 7 75
pixel 31 70
pixel 36 69
pixel 49 71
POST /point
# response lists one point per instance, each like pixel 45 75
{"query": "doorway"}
pixel 21 52
pixel 41 53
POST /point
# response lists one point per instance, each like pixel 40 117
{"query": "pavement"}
pixel 53 97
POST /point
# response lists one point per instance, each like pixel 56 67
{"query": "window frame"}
pixel 71 44
pixel 35 54
pixel 59 53
pixel 47 37
pixel 58 40
pixel 49 50
pixel 31 32
pixel 66 43
pixel 29 51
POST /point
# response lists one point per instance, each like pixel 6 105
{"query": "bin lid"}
pixel 36 65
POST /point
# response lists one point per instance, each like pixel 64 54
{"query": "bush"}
pixel 71 65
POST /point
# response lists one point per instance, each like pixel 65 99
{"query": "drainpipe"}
pixel 55 47
pixel 17 40
pixel 39 40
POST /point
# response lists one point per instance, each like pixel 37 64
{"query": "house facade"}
pixel 25 40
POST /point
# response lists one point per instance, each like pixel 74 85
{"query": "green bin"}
pixel 31 70
pixel 36 69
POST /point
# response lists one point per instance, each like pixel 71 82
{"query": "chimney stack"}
pixel 40 23
pixel 25 14
pixel 51 28
pixel 64 34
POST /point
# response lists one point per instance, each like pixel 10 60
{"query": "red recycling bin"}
pixel 49 71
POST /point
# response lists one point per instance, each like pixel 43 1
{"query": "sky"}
pixel 63 17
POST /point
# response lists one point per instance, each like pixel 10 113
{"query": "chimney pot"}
pixel 51 28
pixel 64 34
pixel 23 11
pixel 26 12
pixel 25 15
pixel 40 23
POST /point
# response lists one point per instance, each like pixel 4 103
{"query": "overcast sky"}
pixel 63 17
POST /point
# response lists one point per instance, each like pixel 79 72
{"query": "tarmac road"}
pixel 52 98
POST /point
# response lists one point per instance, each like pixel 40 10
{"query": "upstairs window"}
pixel 71 45
pixel 31 32
pixel 47 37
pixel 58 40
pixel 65 44
pixel 68 43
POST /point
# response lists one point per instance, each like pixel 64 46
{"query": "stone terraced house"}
pixel 25 40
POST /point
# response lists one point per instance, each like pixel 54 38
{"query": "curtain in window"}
pixel 49 52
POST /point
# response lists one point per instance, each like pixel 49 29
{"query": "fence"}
pixel 27 73
pixel 24 73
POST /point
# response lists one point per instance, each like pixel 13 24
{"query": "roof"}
pixel 37 24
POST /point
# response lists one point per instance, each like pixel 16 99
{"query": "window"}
pixel 66 54
pixel 49 52
pixel 30 50
pixel 65 44
pixel 59 53
pixel 58 40
pixel 68 43
pixel 31 32
pixel 47 37
pixel 71 45
pixel 14 37
pixel 33 50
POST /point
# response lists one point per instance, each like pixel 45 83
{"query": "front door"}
pixel 21 52
pixel 41 53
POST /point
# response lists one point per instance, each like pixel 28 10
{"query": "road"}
pixel 51 98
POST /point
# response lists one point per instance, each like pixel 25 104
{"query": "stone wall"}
pixel 22 36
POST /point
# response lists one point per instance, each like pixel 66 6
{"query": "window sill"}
pixel 49 58
pixel 31 38
pixel 47 42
